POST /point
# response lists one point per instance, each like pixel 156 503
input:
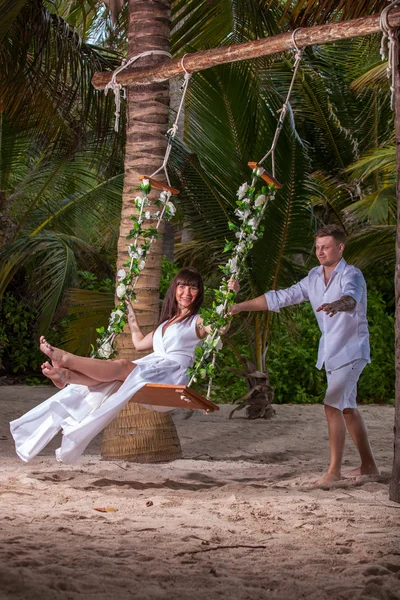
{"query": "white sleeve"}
pixel 353 284
pixel 295 294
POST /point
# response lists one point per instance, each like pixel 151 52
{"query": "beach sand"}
pixel 236 518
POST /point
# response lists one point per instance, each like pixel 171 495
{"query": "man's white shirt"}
pixel 345 336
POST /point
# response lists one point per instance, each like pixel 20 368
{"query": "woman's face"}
pixel 185 295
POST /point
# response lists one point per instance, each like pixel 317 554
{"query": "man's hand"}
pixel 344 304
pixel 235 310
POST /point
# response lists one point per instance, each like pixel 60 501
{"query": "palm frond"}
pixel 87 310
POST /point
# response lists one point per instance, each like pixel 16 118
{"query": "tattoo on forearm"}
pixel 344 304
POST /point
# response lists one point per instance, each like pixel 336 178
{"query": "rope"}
pixel 389 37
pixel 117 87
pixel 171 133
pixel 283 111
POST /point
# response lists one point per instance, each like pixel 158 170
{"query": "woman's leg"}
pixel 60 377
pixel 100 370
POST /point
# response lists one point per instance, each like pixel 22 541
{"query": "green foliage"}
pixel 168 271
pixel 18 346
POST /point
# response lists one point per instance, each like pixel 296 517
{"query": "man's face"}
pixel 328 251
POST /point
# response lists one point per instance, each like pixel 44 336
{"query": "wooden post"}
pixel 394 487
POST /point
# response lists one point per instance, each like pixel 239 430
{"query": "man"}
pixel 338 295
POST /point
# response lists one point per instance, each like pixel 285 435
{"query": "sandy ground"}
pixel 235 518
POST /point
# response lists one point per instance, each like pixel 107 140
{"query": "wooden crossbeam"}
pixel 198 61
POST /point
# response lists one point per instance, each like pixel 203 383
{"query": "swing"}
pixel 174 396
pixel 181 396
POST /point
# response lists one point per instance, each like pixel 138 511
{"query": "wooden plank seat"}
pixel 268 178
pixel 158 185
pixel 175 396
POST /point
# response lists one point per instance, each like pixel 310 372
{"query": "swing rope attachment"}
pixel 285 107
pixel 171 133
pixel 117 87
pixel 389 38
pixel 252 203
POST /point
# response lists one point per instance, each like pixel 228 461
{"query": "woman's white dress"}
pixel 82 412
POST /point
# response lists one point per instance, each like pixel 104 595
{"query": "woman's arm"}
pixel 140 341
pixel 203 330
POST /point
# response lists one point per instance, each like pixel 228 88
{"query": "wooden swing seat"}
pixel 157 185
pixel 265 175
pixel 174 396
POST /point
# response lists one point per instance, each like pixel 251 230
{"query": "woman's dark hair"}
pixel 186 276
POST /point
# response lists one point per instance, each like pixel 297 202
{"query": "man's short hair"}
pixel 333 230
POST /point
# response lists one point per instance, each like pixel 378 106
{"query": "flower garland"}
pixel 251 204
pixel 145 229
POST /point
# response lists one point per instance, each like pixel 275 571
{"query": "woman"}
pixel 99 389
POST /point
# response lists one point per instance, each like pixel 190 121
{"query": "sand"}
pixel 236 518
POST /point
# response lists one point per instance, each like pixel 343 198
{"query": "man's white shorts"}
pixel 342 385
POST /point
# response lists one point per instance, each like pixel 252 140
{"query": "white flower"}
pixel 105 350
pixel 133 253
pixel 121 274
pixel 141 265
pixel 209 340
pixel 253 237
pixel 140 221
pixel 232 264
pixel 147 214
pixel 240 247
pixel 242 214
pixel 164 196
pixel 246 200
pixel 171 208
pixel 238 234
pixel 218 343
pixel 219 309
pixel 260 200
pixel 115 316
pixel 145 182
pixel 252 223
pixel 242 191
pixel 140 251
pixel 121 290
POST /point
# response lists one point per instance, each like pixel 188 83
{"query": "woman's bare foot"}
pixel 58 357
pixel 362 470
pixel 58 375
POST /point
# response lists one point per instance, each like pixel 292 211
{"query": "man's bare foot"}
pixel 327 480
pixel 362 470
pixel 58 375
pixel 57 356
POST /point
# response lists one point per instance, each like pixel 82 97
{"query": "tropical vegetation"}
pixel 63 190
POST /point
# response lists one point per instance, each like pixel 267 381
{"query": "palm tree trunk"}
pixel 394 488
pixel 147 122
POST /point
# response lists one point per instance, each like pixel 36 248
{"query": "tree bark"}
pixel 394 487
pixel 147 123
pixel 199 61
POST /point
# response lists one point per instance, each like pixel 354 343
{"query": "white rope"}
pixel 389 37
pixel 117 87
pixel 283 111
pixel 171 133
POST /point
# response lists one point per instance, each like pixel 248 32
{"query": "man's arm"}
pixel 344 304
pixel 273 300
pixel 259 303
